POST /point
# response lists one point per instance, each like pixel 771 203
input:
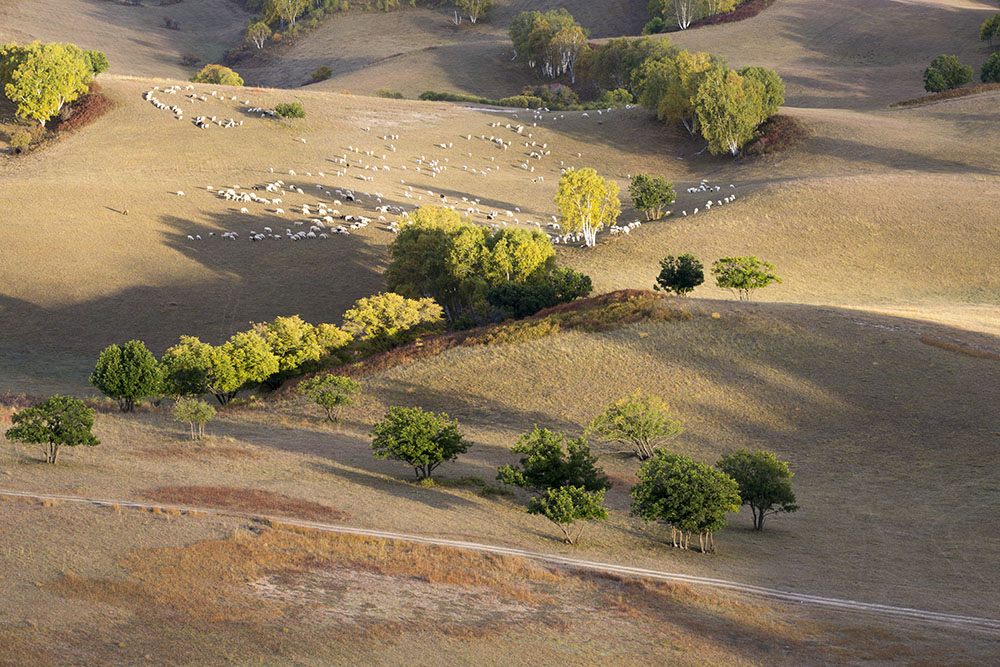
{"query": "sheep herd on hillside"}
pixel 481 155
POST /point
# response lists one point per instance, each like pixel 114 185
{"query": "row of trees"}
pixel 948 72
pixel 42 78
pixel 268 353
pixel 567 486
pixel 473 271
pixel 742 275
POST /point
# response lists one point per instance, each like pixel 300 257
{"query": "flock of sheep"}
pixel 203 122
pixel 320 218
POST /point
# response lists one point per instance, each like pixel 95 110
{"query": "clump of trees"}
pixel 42 78
pixel 290 110
pixel 421 439
pixel 195 413
pixel 218 74
pixel 388 320
pixel 684 12
pixel 193 368
pixel 474 9
pixel 299 345
pixel 651 195
pixel 680 274
pixel 990 72
pixel 549 42
pixel 332 393
pixel 518 301
pixel 743 275
pixel 990 29
pixel 563 475
pixel 60 421
pixel 587 203
pixel 127 373
pixel 690 497
pixel 458 264
pixel 642 422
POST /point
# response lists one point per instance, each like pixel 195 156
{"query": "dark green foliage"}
pixel 991 69
pixel 617 63
pixel 97 60
pixel 517 301
pixel 990 29
pixel 522 102
pixel 945 73
pixel 651 195
pixel 61 421
pixel 127 374
pixel 764 481
pixel 551 461
pixel 689 497
pixel 680 274
pixel 389 94
pixel 421 439
pixel 322 73
pixel 565 505
pixel 553 95
pixel 290 110
pixel 655 26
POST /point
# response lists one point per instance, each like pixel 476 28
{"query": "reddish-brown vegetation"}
pixel 948 95
pixel 85 110
pixel 253 501
pixel 777 133
pixel 747 10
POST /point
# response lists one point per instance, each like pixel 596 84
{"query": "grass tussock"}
pixel 952 94
pixel 252 501
pixel 199 450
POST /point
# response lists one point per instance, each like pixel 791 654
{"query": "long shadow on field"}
pixel 395 487
pixel 893 158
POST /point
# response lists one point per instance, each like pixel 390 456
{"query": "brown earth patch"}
pixel 246 500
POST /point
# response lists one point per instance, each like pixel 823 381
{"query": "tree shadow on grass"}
pixel 397 488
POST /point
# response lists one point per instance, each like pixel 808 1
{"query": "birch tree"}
pixel 587 202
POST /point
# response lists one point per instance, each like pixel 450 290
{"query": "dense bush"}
pixel 422 439
pixel 322 73
pixel 218 74
pixel 20 141
pixel 991 69
pixel 290 110
pixel 521 102
pixel 777 133
pixel 553 95
pixel 127 373
pixel 389 94
pixel 387 320
pixel 680 274
pixel 945 73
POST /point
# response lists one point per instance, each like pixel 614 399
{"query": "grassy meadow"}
pixel 872 368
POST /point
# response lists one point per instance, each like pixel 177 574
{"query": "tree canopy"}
pixel 743 275
pixel 680 274
pixel 990 72
pixel 550 42
pixel 192 368
pixel 422 439
pixel 641 421
pixel 218 74
pixel 552 460
pixel 61 421
pixel 127 373
pixel 650 195
pixel 587 202
pixel 764 482
pixel 729 107
pixel 42 78
pixel 386 320
pixel 945 73
pixel 689 497
pixel 258 34
pixel 195 413
pixel 566 505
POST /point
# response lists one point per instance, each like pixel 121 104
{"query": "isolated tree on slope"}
pixel 258 33
pixel 566 505
pixel 764 481
pixel 644 422
pixel 61 421
pixel 945 73
pixel 195 413
pixel 680 274
pixel 422 439
pixel 587 203
pixel 46 78
pixel 743 275
pixel 651 195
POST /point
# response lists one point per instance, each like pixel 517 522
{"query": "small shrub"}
pixel 389 94
pixel 322 73
pixel 195 413
pixel 522 102
pixel 655 26
pixel 290 110
pixel 20 141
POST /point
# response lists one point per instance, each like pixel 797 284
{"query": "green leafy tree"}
pixel 729 109
pixel 617 63
pixel 218 74
pixel 643 422
pixel 715 7
pixel 127 373
pixel 195 413
pixel 670 85
pixel 517 301
pixel 743 275
pixel 587 202
pixel 187 367
pixel 42 78
pixel 945 73
pixel 650 195
pixel 61 421
pixel 423 440
pixel 287 11
pixel 550 461
pixel 332 393
pixel 991 69
pixel 388 319
pixel 772 85
pixel 258 33
pixel 474 9
pixel 689 497
pixel 97 61
pixel 547 41
pixel 684 12
pixel 680 274
pixel 298 345
pixel 764 481
pixel 566 505
pixel 192 368
pixel 565 49
pixel 251 360
pixel 990 29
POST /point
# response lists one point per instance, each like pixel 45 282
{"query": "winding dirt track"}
pixel 973 623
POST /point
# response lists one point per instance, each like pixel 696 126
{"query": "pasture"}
pixel 882 225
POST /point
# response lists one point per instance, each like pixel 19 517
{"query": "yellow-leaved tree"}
pixel 587 202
